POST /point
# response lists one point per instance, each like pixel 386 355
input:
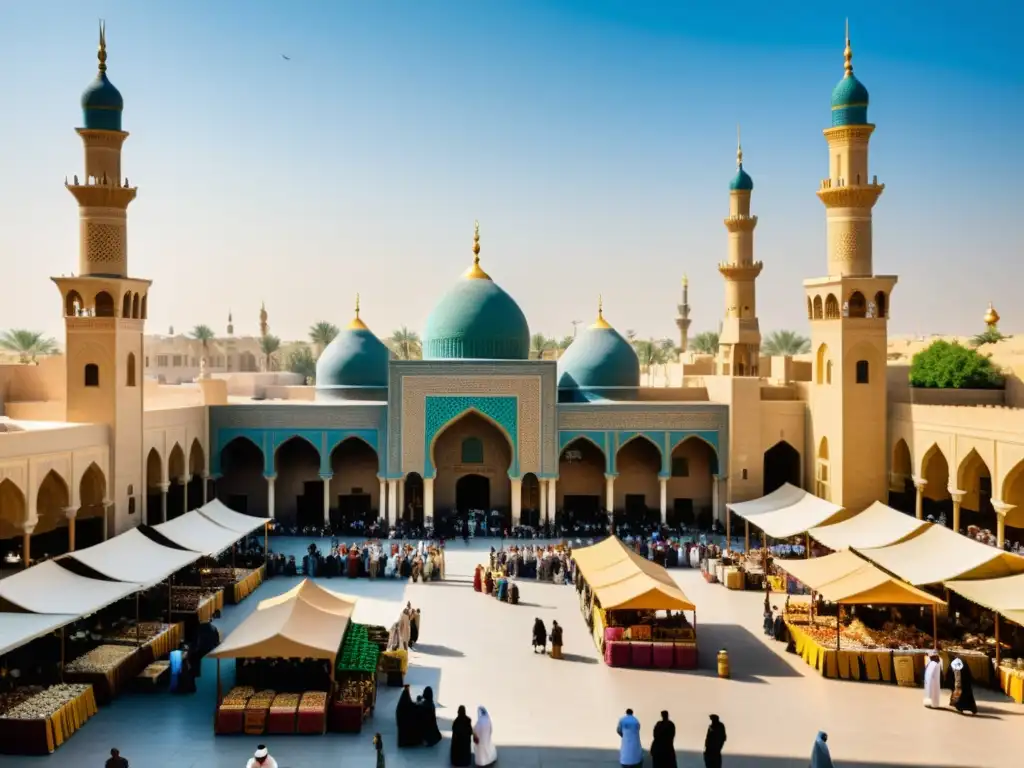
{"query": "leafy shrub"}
pixel 945 365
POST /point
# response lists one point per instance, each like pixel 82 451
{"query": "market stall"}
pixel 37 721
pixel 628 602
pixel 133 557
pixel 785 512
pixel 877 526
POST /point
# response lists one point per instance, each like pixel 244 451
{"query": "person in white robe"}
pixel 404 628
pixel 484 751
pixel 932 681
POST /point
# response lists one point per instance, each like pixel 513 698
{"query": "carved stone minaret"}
pixel 105 309
pixel 848 311
pixel 740 340
pixel 683 320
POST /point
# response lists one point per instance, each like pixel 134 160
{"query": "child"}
pixel 378 744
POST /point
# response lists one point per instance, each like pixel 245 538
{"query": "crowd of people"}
pixel 375 559
pixel 471 743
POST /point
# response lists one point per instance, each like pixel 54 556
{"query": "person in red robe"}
pixel 478 578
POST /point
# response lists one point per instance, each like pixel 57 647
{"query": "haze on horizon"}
pixel 594 141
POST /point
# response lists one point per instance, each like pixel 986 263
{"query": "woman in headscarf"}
pixel 556 642
pixel 663 749
pixel 406 716
pixel 540 636
pixel 462 739
pixel 820 756
pixel 962 683
pixel 428 718
pixel 485 752
pixel 414 627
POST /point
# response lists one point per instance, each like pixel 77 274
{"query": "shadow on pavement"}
pixel 750 659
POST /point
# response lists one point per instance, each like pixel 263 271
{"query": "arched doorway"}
pixel 355 489
pixel 154 495
pixel 90 522
pixel 530 500
pixel 298 490
pixel 413 498
pixel 974 478
pixel 637 497
pixel 822 472
pixel 12 517
pixel 242 485
pixel 1013 493
pixel 902 494
pixel 176 476
pixel 692 467
pixel 196 470
pixel 50 537
pixel 936 501
pixel 580 486
pixel 472 494
pixel 781 466
pixel 471 445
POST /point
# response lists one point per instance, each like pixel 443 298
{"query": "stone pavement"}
pixel 474 650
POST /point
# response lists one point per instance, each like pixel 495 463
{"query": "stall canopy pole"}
pixel 764 551
pixel 998 652
pixel 807 546
pixel 170 598
pixel 746 537
pixel 839 623
pixel 935 625
pixel 138 635
pixel 62 652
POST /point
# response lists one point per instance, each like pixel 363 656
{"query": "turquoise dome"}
pixel 741 182
pixel 476 320
pixel 849 102
pixel 355 359
pixel 599 358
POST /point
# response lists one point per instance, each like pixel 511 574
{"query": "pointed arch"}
pixel 355 487
pixel 821 363
pixel 587 439
pixel 700 438
pixel 135 306
pixel 467 413
pixel 1012 492
pixel 176 466
pixel 92 490
pixel 196 458
pixel 52 499
pixel 857 305
pixel 639 436
pixel 902 464
pixel 831 307
pixel 291 439
pixel 818 311
pixel 13 509
pixel 73 303
pixel 126 305
pixel 154 469
pixel 103 304
pixel 242 484
pixel 145 301
pixel 823 471
pixel 935 472
pixel 810 309
pixel 971 470
pixel 782 464
pixel 298 488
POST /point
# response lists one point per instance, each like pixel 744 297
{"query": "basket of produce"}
pixel 312 714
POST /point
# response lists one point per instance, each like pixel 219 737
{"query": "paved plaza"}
pixel 474 650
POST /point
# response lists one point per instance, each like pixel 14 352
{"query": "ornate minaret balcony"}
pixel 731 271
pixel 839 193
pixel 740 223
pixel 101 192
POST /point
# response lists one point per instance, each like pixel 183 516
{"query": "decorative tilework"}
pixel 269 440
pixel 440 411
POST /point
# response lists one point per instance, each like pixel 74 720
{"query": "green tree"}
pixel 539 344
pixel 301 361
pixel 783 343
pixel 669 351
pixel 406 344
pixel 322 334
pixel 988 336
pixel 650 353
pixel 565 342
pixel 27 344
pixel 204 335
pixel 706 343
pixel 945 365
pixel 269 345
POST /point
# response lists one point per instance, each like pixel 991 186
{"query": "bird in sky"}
pixel 286 58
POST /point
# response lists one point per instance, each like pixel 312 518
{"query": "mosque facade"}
pixel 476 424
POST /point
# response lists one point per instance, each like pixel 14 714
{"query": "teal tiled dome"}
pixel 741 182
pixel 849 102
pixel 599 358
pixel 355 359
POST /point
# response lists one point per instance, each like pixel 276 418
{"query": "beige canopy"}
pixel 938 554
pixel 1005 595
pixel 53 589
pixel 198 533
pixel 308 623
pixel 877 526
pixel 133 556
pixel 16 629
pixel 846 578
pixel 226 517
pixel 788 511
pixel 622 580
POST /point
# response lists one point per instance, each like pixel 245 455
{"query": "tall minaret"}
pixel 740 340
pixel 683 321
pixel 104 309
pixel 848 311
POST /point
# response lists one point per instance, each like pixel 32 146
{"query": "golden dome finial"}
pixel 848 53
pixel 600 322
pixel 739 148
pixel 686 281
pixel 476 272
pixel 357 324
pixel 991 316
pixel 101 52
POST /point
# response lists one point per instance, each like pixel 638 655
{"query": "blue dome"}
pixel 741 182
pixel 356 358
pixel 476 320
pixel 849 102
pixel 599 358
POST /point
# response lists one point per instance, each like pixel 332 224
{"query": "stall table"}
pixel 312 714
pixel 108 669
pixel 1011 682
pixel 37 727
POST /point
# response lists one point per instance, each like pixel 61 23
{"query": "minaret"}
pixel 105 334
pixel 264 326
pixel 683 320
pixel 847 457
pixel 230 346
pixel 740 339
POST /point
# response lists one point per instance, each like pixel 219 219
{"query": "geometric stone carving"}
pixel 105 243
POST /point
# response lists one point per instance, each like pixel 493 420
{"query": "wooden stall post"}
pixel 839 623
pixel 62 653
pixel 138 634
pixel 807 546
pixel 764 551
pixel 935 625
pixel 746 537
pixel 998 650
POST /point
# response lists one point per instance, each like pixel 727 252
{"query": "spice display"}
pixel 237 698
pixel 11 699
pixel 356 691
pixel 46 704
pixel 285 702
pixel 101 659
pixel 856 636
pixel 187 599
pixel 261 700
pixel 223 577
pixel 313 701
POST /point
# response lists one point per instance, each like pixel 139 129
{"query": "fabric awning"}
pixel 845 578
pixel 17 629
pixel 788 511
pixel 877 526
pixel 293 629
pixel 198 533
pixel 317 596
pixel 1005 595
pixel 938 555
pixel 133 556
pixel 622 580
pixel 50 588
pixel 226 517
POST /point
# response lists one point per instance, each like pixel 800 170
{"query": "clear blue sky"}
pixel 593 140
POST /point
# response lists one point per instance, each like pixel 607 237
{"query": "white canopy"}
pixel 226 517
pixel 877 526
pixel 133 556
pixel 16 629
pixel 52 589
pixel 198 533
pixel 788 511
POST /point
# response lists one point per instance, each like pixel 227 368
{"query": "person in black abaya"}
pixel 427 711
pixel 540 636
pixel 961 681
pixel 407 718
pixel 462 740
pixel 663 750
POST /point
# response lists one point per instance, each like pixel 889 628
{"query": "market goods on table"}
pixel 187 599
pixel 45 703
pixel 312 701
pixel 261 700
pixel 127 635
pixel 11 699
pixel 40 723
pixel 238 697
pixel 358 653
pixel 285 702
pixel 312 715
pixel 101 659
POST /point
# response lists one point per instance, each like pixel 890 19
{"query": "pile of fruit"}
pixel 223 577
pixel 238 697
pixel 11 699
pixel 358 654
pixel 101 659
pixel 187 599
pixel 147 630
pixel 261 700
pixel 313 701
pixel 285 702
pixel 45 705
pixel 356 692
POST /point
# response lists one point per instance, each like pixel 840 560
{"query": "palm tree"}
pixel 321 334
pixel 706 343
pixel 988 336
pixel 204 335
pixel 269 344
pixel 301 360
pixel 565 342
pixel 785 343
pixel 406 344
pixel 539 344
pixel 27 344
pixel 650 353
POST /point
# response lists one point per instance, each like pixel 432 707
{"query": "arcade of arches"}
pixel 182 490
pixel 57 527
